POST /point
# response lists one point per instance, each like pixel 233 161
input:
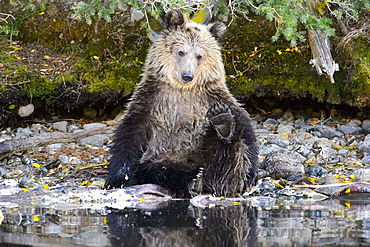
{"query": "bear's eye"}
pixel 199 57
pixel 181 53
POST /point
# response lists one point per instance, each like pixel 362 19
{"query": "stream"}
pixel 254 221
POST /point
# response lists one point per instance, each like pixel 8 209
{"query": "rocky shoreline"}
pixel 294 150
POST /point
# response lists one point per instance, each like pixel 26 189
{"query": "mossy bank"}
pixel 60 64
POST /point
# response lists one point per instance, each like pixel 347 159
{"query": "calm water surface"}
pixel 259 222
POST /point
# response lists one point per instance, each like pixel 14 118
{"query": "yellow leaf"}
pixel 47 57
pixel 142 200
pixel 33 203
pixel 348 190
pixel 86 183
pixel 222 207
pixel 36 217
pixel 352 176
pixel 96 57
pixel 33 197
pixel 37 165
pixel 46 187
pixel 347 204
pixel 25 190
pixel 279 52
pixel 287 49
pixel 41 13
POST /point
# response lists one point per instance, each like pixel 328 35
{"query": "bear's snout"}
pixel 187 77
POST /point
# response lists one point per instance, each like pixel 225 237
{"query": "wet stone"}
pixel 366 126
pixel 280 165
pixel 278 139
pixel 60 126
pixel 354 123
pixel 70 160
pixel 268 149
pixel 328 132
pixel 347 129
pixel 270 122
pixel 285 129
pixel 96 140
pixel 72 128
pixel 316 171
pixel 365 145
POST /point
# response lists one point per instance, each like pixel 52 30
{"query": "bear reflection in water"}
pixel 178 224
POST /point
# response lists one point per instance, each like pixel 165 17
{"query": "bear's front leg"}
pixel 222 120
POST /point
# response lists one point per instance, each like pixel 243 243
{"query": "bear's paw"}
pixel 222 121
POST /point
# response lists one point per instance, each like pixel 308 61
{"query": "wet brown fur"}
pixel 166 137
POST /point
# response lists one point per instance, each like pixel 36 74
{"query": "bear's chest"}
pixel 178 122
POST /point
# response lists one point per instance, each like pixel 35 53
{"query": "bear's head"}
pixel 187 54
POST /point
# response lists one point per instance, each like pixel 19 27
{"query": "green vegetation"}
pixel 98 48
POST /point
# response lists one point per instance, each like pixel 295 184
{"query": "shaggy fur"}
pixel 183 130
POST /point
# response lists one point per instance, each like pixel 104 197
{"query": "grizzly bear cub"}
pixel 183 130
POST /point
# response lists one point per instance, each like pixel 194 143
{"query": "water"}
pixel 257 222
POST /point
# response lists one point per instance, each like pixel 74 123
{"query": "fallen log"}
pixel 19 145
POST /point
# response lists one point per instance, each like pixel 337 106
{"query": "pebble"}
pixel 60 126
pixel 281 165
pixel 96 140
pixel 332 152
pixel 27 110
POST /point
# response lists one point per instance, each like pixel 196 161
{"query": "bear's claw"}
pixel 222 121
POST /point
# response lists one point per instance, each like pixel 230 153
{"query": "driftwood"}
pixel 320 47
pixel 322 59
pixel 19 145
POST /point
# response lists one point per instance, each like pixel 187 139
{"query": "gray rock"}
pixel 328 179
pixel 299 123
pixel 60 126
pixel 71 128
pixel 96 140
pixel 302 135
pixel 366 126
pixel 261 132
pixel 94 126
pixel 278 139
pixel 270 122
pixel 268 149
pixel 120 116
pixel 343 152
pixel 354 123
pixel 347 129
pixel 316 171
pixel 366 159
pixel 280 165
pixel 27 110
pixel 302 150
pixel 364 147
pixel 38 128
pixel 285 129
pixel 288 116
pixel 328 132
pixel 361 175
pixel 70 160
pixel 294 155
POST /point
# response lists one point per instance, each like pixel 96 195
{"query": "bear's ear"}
pixel 173 18
pixel 218 30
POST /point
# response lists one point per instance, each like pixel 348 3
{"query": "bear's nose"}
pixel 187 77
